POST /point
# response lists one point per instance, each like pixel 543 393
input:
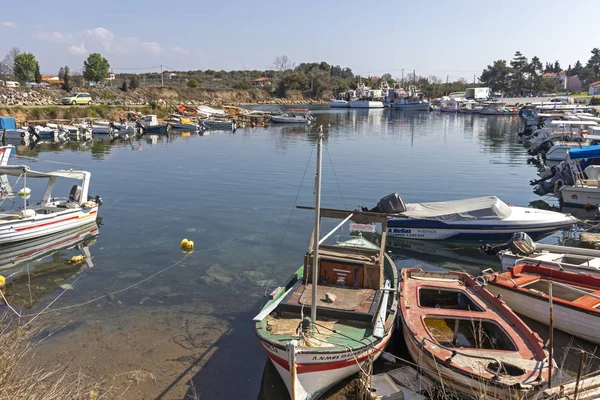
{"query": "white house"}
pixel 594 89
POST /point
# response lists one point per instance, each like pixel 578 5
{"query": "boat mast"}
pixel 316 230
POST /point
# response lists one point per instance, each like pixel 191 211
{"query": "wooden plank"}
pixel 266 311
pixel 380 321
pixel 359 216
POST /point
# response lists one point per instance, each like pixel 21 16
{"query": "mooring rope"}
pixel 46 311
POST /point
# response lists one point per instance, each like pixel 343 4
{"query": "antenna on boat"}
pixel 316 231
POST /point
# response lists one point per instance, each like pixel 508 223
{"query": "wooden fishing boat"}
pixel 357 284
pixel 576 297
pixel 464 337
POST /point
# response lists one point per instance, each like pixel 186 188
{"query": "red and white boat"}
pixel 351 318
pixel 575 297
pixel 463 336
pixel 51 214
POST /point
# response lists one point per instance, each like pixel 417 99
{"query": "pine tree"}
pixel 124 85
pixel 66 79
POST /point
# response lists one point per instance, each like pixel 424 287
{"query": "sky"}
pixel 443 38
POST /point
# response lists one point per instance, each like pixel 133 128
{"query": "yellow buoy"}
pixel 187 246
pixel 76 259
pixel 24 193
pixel 2 281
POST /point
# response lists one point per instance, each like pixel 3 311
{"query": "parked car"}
pixel 77 98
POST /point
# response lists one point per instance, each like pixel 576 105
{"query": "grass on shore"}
pixel 73 112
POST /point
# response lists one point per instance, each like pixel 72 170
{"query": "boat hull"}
pixel 42 225
pixel 411 106
pixel 580 196
pixel 365 104
pixel 338 104
pixel 567 319
pixel 314 376
pixel 473 233
pixel 288 120
pixel 453 380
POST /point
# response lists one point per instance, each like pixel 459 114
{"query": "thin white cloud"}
pixel 8 24
pixel 78 49
pixel 152 47
pixel 53 36
pixel 181 50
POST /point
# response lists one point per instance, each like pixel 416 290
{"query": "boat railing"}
pixel 491 271
pixel 561 266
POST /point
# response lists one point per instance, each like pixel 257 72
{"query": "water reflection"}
pixel 36 268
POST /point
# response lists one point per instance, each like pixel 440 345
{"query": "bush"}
pixel 595 101
pixel 192 83
pixel 241 84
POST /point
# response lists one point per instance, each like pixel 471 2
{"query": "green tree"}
pixel 124 85
pixel 496 76
pixel 594 62
pixel 95 68
pixel 66 79
pixel 557 67
pixel 61 73
pixel 577 68
pixel 134 83
pixel 38 75
pixel 24 67
pixel 519 66
pixel 192 83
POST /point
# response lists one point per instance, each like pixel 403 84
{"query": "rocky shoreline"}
pixel 157 96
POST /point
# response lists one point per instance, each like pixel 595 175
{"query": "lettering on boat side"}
pixel 414 233
pixel 325 358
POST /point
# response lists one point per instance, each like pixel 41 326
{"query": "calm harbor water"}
pixel 187 319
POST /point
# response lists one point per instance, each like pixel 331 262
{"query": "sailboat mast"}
pixel 316 231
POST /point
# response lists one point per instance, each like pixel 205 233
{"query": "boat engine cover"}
pixel 520 243
pixel 391 204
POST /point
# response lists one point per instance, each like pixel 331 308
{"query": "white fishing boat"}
pixel 584 192
pixel 366 97
pixel 207 112
pixel 409 100
pixel 476 219
pixel 351 291
pixel 522 249
pixel 365 104
pixel 51 214
pixel 449 105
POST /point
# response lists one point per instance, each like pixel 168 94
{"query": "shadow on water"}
pixel 231 367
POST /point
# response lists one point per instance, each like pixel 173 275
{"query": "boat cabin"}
pixel 352 274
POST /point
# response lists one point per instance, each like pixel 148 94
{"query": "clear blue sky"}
pixel 456 38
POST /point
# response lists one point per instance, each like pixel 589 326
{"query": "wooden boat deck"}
pixel 353 304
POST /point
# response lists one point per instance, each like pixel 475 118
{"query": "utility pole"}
pixel 403 76
pixel 473 78
pixel 414 76
pixel 162 79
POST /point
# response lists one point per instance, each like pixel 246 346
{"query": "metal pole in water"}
pixel 315 266
pixel 551 344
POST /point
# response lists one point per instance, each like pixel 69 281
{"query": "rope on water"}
pixel 46 311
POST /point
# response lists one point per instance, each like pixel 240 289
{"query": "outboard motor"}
pixel 390 204
pixel 541 148
pixel 519 244
pixel 75 194
pixel 33 132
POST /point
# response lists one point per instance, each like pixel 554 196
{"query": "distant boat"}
pixel 215 124
pixel 334 103
pixel 411 100
pixel 290 119
pixel 149 124
pixel 498 109
pixel 462 335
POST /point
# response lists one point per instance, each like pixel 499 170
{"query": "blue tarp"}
pixel 8 123
pixel 585 152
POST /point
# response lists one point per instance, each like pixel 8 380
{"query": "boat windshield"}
pixel 446 299
pixel 468 333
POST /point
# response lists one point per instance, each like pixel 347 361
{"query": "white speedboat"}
pixel 522 249
pixel 51 214
pixel 477 219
